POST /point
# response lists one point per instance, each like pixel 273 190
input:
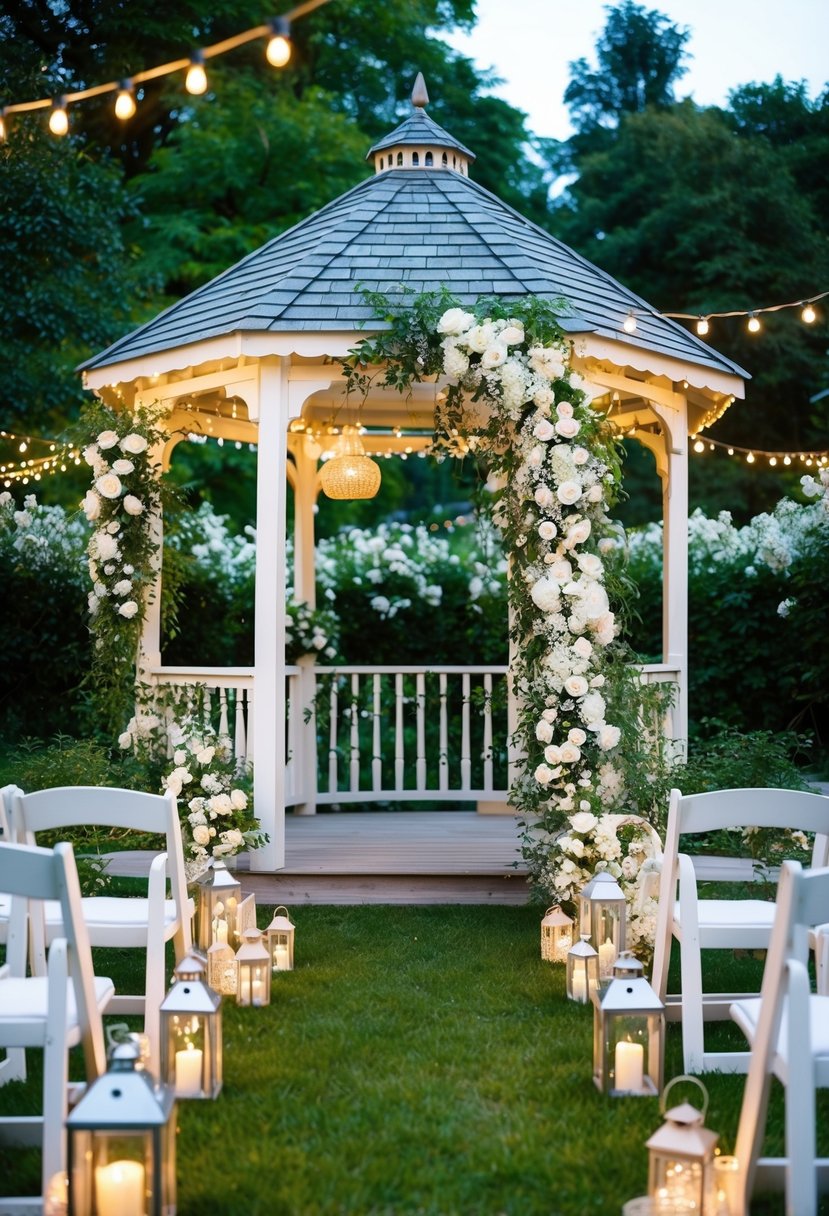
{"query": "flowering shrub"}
pixel 310 631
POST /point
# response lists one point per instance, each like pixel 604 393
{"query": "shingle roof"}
pixel 420 229
pixel 419 128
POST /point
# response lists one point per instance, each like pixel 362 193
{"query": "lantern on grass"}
pixel 628 1033
pixel 122 1143
pixel 191 1034
pixel 280 941
pixel 582 972
pixel 219 895
pixel 681 1157
pixel 602 919
pixel 556 935
pixel 222 969
pixel 254 963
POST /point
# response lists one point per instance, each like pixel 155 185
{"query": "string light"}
pixel 277 31
pixel 808 313
pixel 125 101
pixel 58 117
pixel 702 326
pixel 808 316
pixel 629 323
pixel 196 79
pixel 773 459
pixel 753 324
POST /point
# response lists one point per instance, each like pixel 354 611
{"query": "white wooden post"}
pixel 304 760
pixel 269 649
pixel 675 572
pixel 149 648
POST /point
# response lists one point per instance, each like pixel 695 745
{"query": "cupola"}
pixel 419 143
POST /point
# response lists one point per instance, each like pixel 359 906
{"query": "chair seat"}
pixel 746 1014
pixel 24 1005
pixel 113 921
pixel 753 918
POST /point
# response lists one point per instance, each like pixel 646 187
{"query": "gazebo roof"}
pixel 419 227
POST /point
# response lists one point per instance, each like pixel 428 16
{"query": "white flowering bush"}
pixel 628 847
pixel 313 631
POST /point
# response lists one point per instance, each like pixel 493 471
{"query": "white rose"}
pixel 594 494
pixel 544 732
pixel 570 754
pixel 233 837
pixel 568 428
pixel 107 439
pixel 125 739
pixel 590 565
pixel 109 485
pixel 206 755
pixel 544 430
pixel 592 708
pixel 564 409
pixel 221 804
pixel 576 686
pixel 535 458
pixel 239 800
pixel 128 609
pixel 561 571
pixel 553 755
pixel 543 774
pixel 123 467
pixel 91 505
pixel 195 818
pixel 173 783
pixel 609 736
pixel 580 455
pixel 480 337
pixel 543 399
pixel 91 455
pixel 569 492
pixel 133 505
pixel 133 444
pixel 576 735
pixel 550 714
pixel 512 334
pixel 547 530
pixel 583 822
pixel 123 587
pixel 545 595
pixel 582 648
pixel 455 321
pixel 544 496
pixel 179 758
pixel 201 834
pixel 493 356
pixel 578 533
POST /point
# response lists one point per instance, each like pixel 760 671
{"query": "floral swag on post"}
pixel 511 395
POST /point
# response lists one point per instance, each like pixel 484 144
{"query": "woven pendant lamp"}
pixel 350 473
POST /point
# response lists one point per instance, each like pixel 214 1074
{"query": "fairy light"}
pixel 58 117
pixel 196 79
pixel 808 313
pixel 753 324
pixel 629 323
pixel 750 458
pixel 278 50
pixel 702 326
pixel 752 455
pixel 3 131
pixel 808 316
pixel 125 101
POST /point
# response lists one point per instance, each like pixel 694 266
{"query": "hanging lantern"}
pixel 582 972
pixel 628 1033
pixel 602 919
pixel 556 935
pixel 222 969
pixel 122 1143
pixel 350 473
pixel 280 940
pixel 254 963
pixel 191 1034
pixel 219 895
pixel 681 1157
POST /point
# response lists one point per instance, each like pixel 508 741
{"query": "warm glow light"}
pixel 58 118
pixel 808 316
pixel 2 126
pixel 196 80
pixel 753 324
pixel 125 101
pixel 730 451
pixel 787 460
pixel 629 323
pixel 750 458
pixel 702 326
pixel 699 446
pixel 772 461
pixel 278 51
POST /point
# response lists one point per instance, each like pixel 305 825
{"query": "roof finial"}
pixel 420 98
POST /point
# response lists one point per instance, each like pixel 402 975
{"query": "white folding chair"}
pixel 719 924
pixel 5 838
pixel 145 923
pixel 788 1029
pixel 53 1012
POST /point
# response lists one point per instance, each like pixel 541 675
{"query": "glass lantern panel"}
pixel 254 983
pixel 222 969
pixel 582 977
pixel 123 1173
pixel 628 1043
pixel 678 1183
pixel 608 936
pixel 280 950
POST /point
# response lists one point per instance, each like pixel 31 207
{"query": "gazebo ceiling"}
pixel 418 225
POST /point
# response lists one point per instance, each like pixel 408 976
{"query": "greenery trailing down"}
pixel 420 1061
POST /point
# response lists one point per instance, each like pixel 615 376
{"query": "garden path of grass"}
pixel 419 1060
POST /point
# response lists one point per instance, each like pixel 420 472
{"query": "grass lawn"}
pixel 420 1060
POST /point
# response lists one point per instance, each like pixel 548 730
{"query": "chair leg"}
pixel 55 1068
pixel 693 1042
pixel 801 1147
pixel 13 1067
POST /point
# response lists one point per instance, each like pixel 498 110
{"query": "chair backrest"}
pixel 6 795
pixel 28 874
pixel 105 806
pixel 762 808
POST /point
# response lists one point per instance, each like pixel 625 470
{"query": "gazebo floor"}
pixel 406 857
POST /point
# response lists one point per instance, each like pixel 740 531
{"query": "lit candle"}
pixel 188 1072
pixel 630 1058
pixel 607 957
pixel 221 932
pixel 564 944
pixel 280 958
pixel 119 1189
pixel 580 985
pixel 257 992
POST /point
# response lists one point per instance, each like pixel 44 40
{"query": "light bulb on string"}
pixel 787 460
pixel 125 101
pixel 702 326
pixel 808 316
pixel 58 117
pixel 772 461
pixel 753 324
pixel 699 446
pixel 196 80
pixel 3 131
pixel 750 458
pixel 278 50
pixel 629 323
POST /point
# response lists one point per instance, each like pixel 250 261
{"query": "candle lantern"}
pixel 191 1034
pixel 222 969
pixel 254 962
pixel 582 972
pixel 280 937
pixel 556 935
pixel 122 1143
pixel 219 895
pixel 602 919
pixel 681 1157
pixel 628 1033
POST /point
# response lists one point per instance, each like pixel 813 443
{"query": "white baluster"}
pixel 333 776
pixel 443 757
pixel 466 757
pixel 223 730
pixel 399 745
pixel 249 752
pixel 377 752
pixel 355 733
pixel 487 752
pixel 420 698
pixel 239 741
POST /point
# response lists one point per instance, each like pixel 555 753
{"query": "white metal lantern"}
pixel 191 1034
pixel 628 1033
pixel 222 969
pixel 582 972
pixel 254 962
pixel 280 941
pixel 556 935
pixel 602 919
pixel 122 1144
pixel 681 1157
pixel 219 895
pixel 350 473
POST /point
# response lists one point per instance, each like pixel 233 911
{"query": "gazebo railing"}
pixel 361 733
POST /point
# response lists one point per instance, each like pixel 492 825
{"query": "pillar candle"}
pixel 119 1189
pixel 188 1072
pixel 630 1058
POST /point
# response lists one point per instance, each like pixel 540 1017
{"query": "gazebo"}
pixel 253 357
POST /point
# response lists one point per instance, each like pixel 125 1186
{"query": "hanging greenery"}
pixel 588 739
